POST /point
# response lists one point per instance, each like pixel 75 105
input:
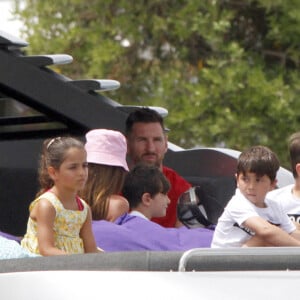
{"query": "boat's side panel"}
pixel 149 285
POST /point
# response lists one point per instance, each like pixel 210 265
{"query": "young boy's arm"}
pixel 296 234
pixel 297 226
pixel 267 234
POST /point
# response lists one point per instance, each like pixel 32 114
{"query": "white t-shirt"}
pixel 229 231
pixel 288 202
pixel 138 214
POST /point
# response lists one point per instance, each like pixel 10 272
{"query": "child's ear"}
pixel 51 172
pixel 146 199
pixel 297 167
pixel 236 179
pixel 273 184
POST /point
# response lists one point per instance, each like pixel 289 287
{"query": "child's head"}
pixel 144 180
pixel 256 173
pixel 53 155
pixel 294 150
pixel 259 160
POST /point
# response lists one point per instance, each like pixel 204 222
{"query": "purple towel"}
pixel 132 233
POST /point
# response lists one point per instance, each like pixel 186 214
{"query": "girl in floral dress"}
pixel 59 221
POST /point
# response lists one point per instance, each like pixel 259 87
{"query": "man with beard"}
pixel 147 142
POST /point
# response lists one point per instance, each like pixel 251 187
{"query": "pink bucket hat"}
pixel 106 147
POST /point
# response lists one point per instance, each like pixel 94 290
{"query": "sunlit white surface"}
pixel 149 285
pixel 7 21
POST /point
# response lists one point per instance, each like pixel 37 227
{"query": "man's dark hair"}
pixel 259 160
pixel 144 179
pixel 143 115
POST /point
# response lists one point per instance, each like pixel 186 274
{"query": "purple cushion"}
pixel 10 236
pixel 132 233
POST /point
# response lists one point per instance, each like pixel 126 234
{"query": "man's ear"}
pixel 146 199
pixel 166 143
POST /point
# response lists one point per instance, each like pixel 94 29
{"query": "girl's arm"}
pixel 44 214
pixel 87 235
pixel 267 234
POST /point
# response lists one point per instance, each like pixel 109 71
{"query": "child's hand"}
pixel 255 241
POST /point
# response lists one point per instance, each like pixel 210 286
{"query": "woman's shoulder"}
pixel 118 205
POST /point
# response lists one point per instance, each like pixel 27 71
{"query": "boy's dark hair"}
pixel 259 160
pixel 143 115
pixel 294 150
pixel 144 179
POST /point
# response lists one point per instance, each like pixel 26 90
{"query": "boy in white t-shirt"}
pixel 250 219
pixel 288 197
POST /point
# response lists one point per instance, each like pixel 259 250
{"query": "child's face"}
pixel 159 205
pixel 255 187
pixel 72 173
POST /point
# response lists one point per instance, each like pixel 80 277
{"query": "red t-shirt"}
pixel 178 186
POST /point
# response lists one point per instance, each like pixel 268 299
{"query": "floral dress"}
pixel 67 225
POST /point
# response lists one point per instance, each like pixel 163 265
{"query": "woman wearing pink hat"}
pixel 106 156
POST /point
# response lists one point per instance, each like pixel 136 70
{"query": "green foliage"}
pixel 227 71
